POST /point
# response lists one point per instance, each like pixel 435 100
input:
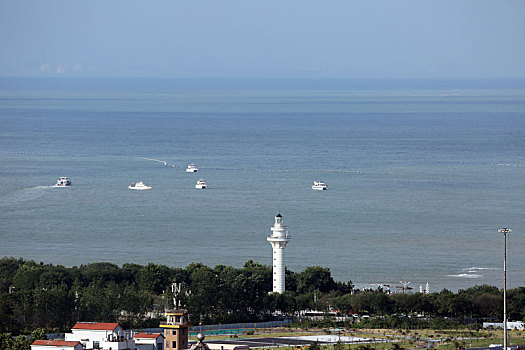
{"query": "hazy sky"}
pixel 248 38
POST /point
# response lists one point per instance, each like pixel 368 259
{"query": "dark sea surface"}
pixel 421 174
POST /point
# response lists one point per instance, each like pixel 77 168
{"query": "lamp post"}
pixel 504 231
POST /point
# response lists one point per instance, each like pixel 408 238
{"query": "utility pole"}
pixel 504 231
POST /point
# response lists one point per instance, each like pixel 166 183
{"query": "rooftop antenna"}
pixel 405 285
pixel 176 289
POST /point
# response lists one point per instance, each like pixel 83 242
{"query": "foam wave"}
pixel 154 160
pixel 509 164
pixel 480 269
pixel 466 275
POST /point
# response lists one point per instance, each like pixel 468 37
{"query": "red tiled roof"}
pixel 146 335
pixel 99 326
pixel 56 343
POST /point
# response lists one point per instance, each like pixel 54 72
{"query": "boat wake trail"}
pixel 156 160
pixel 263 170
pixel 23 195
pixel 260 170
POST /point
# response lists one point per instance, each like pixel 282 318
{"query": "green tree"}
pixel 315 278
pixel 37 334
pixel 305 301
pixel 284 302
pixel 204 296
pixel 20 343
pixel 365 347
pixel 100 273
pixel 315 346
pixel 445 301
pixel 6 341
pixel 396 346
pixel 155 278
pixel 8 268
pixel 339 345
pixel 516 303
pixel 381 303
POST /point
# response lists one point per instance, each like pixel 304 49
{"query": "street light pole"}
pixel 504 231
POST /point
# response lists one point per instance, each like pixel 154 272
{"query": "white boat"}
pixel 139 186
pixel 63 182
pixel 192 168
pixel 201 184
pixel 319 186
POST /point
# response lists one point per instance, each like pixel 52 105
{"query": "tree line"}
pixel 37 295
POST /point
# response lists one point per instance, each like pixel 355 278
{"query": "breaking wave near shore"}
pixel 473 272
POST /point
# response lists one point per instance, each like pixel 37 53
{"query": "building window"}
pixel 174 344
pixel 96 344
pixel 174 332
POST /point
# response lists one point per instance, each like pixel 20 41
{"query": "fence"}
pixel 229 328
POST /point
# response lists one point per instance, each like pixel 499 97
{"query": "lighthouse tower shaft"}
pixel 278 239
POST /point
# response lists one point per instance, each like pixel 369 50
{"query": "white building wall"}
pixel 51 347
pixel 118 345
pixel 114 340
pixel 278 268
pixel 149 343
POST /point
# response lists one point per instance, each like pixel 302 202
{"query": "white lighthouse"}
pixel 278 239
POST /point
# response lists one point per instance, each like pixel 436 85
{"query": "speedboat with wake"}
pixel 63 182
pixel 319 186
pixel 139 186
pixel 192 168
pixel 201 184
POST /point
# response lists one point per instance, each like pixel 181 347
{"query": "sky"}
pixel 270 38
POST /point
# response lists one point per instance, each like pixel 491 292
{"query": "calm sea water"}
pixel 421 174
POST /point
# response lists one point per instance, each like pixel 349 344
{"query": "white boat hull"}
pixel 140 188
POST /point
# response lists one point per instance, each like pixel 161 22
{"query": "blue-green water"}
pixel 421 174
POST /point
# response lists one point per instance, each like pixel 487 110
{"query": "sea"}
pixel 421 175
